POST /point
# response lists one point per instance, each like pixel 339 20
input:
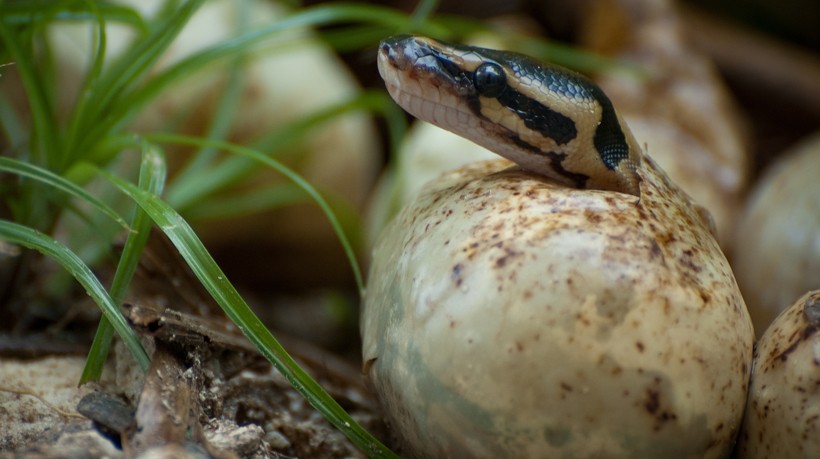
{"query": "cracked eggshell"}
pixel 783 412
pixel 506 316
pixel 679 109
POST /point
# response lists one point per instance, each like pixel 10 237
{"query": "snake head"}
pixel 547 119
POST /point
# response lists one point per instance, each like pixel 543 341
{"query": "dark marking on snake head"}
pixel 489 80
pixel 609 139
pixel 538 116
pixel 556 160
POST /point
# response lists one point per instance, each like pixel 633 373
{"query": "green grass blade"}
pixel 192 188
pixel 217 284
pixel 33 239
pixel 396 121
pixel 122 75
pixel 87 96
pixel 45 133
pixel 12 126
pixel 248 203
pixel 98 353
pixel 225 111
pixel 357 39
pixel 152 176
pixel 424 9
pixel 57 182
pixel 314 16
pixel 132 65
pixel 219 128
pixel 36 12
pixel 287 172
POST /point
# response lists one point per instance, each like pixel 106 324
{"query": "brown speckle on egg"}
pixel 784 396
pixel 585 318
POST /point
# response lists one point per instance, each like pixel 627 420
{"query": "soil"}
pixel 207 393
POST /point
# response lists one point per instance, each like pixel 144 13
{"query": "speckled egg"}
pixel 783 412
pixel 507 316
pixel 776 253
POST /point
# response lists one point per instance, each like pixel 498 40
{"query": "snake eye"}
pixel 490 80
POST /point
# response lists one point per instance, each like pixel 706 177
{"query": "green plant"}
pixel 51 167
pixel 51 159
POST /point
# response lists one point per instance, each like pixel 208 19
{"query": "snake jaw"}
pixel 407 70
pixel 403 61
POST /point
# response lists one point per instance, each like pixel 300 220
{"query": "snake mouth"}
pixel 417 60
pixel 438 88
pixel 428 85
